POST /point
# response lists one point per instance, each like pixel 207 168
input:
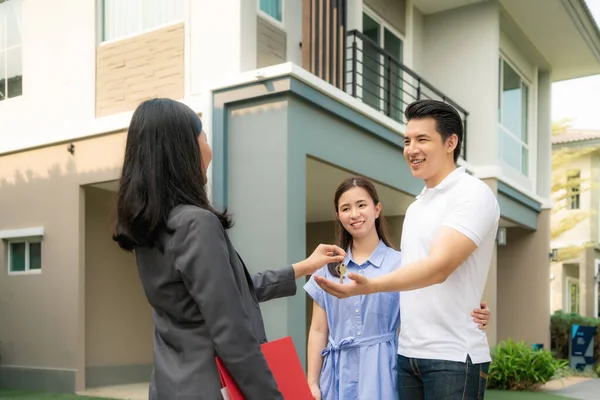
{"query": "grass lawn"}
pixel 21 395
pixel 513 395
pixel 489 395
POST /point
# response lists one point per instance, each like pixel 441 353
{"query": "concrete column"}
pixel 355 11
pixel 523 289
pixel 557 285
pixel 587 285
pixel 544 136
pixel 267 185
pixel 81 330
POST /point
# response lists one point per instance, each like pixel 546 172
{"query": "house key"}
pixel 341 269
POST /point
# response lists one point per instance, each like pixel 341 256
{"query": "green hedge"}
pixel 517 366
pixel 560 331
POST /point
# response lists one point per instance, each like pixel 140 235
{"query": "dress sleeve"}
pixel 315 291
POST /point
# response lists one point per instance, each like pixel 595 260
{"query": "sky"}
pixel 579 99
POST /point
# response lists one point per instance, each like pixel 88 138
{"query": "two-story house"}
pixel 575 276
pixel 295 95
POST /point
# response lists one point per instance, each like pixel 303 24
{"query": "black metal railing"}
pixel 384 83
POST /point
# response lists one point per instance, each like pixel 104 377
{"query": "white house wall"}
pixel 413 45
pixel 460 58
pixel 582 231
pixel 219 49
pixel 58 73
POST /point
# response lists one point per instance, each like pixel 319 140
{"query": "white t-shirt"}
pixel 436 321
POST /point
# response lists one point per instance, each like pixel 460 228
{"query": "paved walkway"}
pixel 586 390
pixel 575 387
pixel 136 391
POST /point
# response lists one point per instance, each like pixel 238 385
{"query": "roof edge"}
pixel 585 23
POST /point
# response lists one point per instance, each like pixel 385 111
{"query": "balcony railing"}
pixel 387 85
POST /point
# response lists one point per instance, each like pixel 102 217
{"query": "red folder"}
pixel 285 365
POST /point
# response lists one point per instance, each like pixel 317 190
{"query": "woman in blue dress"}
pixel 353 342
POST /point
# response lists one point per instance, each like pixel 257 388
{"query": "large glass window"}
pixel 273 8
pixel 11 65
pixel 382 76
pixel 513 118
pixel 128 17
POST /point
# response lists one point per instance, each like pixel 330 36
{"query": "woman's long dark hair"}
pixel 161 170
pixel 342 236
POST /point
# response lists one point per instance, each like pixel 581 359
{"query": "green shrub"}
pixel 560 332
pixel 516 366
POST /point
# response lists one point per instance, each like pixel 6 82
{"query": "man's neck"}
pixel 440 176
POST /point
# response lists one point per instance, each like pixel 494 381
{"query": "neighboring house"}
pixel 295 95
pixel 575 280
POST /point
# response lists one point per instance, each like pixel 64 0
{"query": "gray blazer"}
pixel 206 304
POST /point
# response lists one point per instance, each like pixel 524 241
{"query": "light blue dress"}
pixel 361 354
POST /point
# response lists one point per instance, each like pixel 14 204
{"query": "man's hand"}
pixel 481 316
pixel 323 255
pixel 358 285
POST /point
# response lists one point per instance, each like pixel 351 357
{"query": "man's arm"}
pixel 470 218
pixel 449 250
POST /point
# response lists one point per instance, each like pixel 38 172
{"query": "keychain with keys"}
pixel 341 269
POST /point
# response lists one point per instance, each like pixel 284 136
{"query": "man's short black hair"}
pixel 447 119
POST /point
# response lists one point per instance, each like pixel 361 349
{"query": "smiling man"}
pixel 447 244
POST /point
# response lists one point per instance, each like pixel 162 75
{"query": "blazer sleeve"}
pixel 202 258
pixel 274 284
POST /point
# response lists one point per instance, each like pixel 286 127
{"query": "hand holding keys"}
pixel 341 269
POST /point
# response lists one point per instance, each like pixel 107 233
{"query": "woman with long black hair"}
pixel 205 303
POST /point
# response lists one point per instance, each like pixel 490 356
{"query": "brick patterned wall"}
pixel 132 70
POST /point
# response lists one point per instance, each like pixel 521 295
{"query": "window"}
pixel 11 65
pixel 572 295
pixel 272 8
pixel 382 76
pixel 513 118
pixel 24 256
pixel 126 17
pixel 573 188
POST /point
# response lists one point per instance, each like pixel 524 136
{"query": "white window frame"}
pixel 568 281
pixel 596 287
pixel 383 24
pixel 28 235
pixel 270 19
pixel 28 242
pixel 5 49
pixel 570 195
pixel 100 29
pixel 531 92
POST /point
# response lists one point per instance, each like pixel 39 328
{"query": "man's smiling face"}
pixel 425 151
